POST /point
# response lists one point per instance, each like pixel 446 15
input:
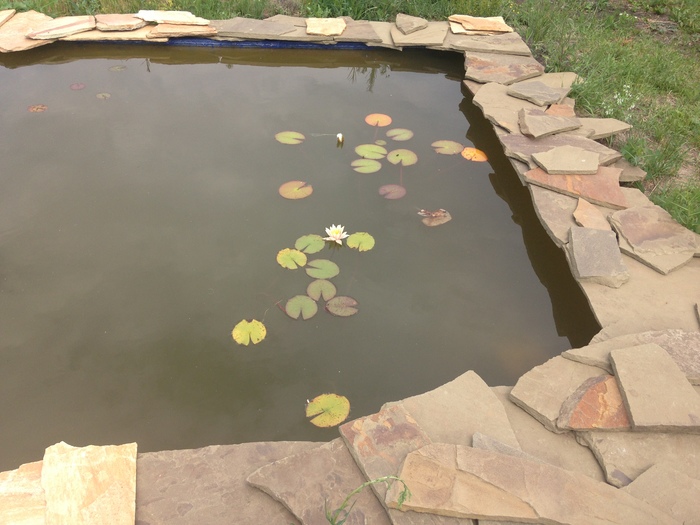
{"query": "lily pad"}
pixel 371 151
pixel 301 305
pixel 103 96
pixel 400 134
pixel 249 331
pixel 474 154
pixel 405 157
pixel 311 243
pixel 366 165
pixel 321 288
pixel 363 241
pixel 437 220
pixel 392 191
pixel 322 269
pixel 290 137
pixel 342 306
pixel 380 142
pixel 117 68
pixel 291 259
pixel 378 119
pixel 447 147
pixel 77 86
pixel 37 108
pixel 296 189
pixel 328 410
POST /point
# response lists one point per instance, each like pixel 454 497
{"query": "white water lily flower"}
pixel 336 234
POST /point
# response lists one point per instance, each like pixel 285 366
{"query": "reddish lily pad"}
pixel 405 157
pixel 246 332
pixel 301 305
pixel 378 119
pixel 474 154
pixel 77 86
pixel 342 306
pixel 447 147
pixel 321 288
pixel 322 269
pixel 311 243
pixel 295 189
pixel 366 165
pixel 291 259
pixel 290 137
pixel 371 151
pixel 362 241
pixel 37 108
pixel 400 134
pixel 392 191
pixel 328 410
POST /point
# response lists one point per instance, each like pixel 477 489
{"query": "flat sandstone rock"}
pixel 61 27
pixel 13 32
pixel 595 257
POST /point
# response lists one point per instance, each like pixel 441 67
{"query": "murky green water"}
pixel 137 230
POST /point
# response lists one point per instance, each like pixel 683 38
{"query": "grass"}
pixel 639 61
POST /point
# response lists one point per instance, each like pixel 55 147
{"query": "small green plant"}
pixel 340 515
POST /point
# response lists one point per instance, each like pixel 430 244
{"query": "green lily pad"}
pixel 328 410
pixel 392 191
pixel 311 243
pixel 249 331
pixel 363 241
pixel 447 147
pixel 378 119
pixel 400 134
pixel 301 305
pixel 321 288
pixel 405 157
pixel 380 142
pixel 342 306
pixel 295 189
pixel 290 137
pixel 371 151
pixel 291 259
pixel 322 269
pixel 366 165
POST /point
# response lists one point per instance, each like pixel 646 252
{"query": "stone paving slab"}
pixel 594 256
pixel 13 31
pixel 207 485
pixel 503 69
pixel 603 128
pixel 468 482
pixel 22 499
pixel 538 92
pixel 171 17
pixel 476 23
pixel 630 173
pixel 504 44
pixel 433 35
pixel 143 34
pixel 555 211
pixel 6 14
pixel 359 32
pixel 564 79
pixel 625 455
pixel 325 26
pixel 590 216
pixel 536 123
pixel 522 147
pixel 408 24
pixel 254 29
pixel 61 27
pixel 501 109
pixel 181 30
pixel 596 405
pixel 118 22
pixel 567 160
pixel 317 479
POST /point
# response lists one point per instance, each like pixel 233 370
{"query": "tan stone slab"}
pixel 589 216
pixel 541 392
pixel 594 256
pixel 62 27
pixel 171 17
pixel 522 147
pixel 472 86
pixel 325 26
pixel 359 32
pixel 602 188
pixel 127 22
pixel 463 481
pixel 12 32
pixel 433 35
pixel 408 24
pixel 310 482
pixel 22 500
pixel 90 484
pixel 657 394
pixel 180 30
pixel 503 44
pixel 557 80
pixel 567 160
pixel 626 455
pixel 596 405
pixel 603 128
pixel 538 92
pixel 536 123
pixel 555 211
pixel 383 30
pixel 476 23
pixel 504 69
pixel 561 450
pixel 500 108
pixel 458 29
pixel 630 173
pixel 560 110
pixel 670 491
pixel 106 36
pixel 6 14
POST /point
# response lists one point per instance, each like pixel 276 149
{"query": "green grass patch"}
pixel 682 204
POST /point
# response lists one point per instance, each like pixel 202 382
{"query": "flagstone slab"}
pixel 22 499
pixel 503 44
pixel 408 24
pixel 477 23
pixel 561 450
pixel 463 481
pixel 502 110
pixel 458 29
pixel 590 216
pixel 253 29
pixel 630 173
pixel 541 392
pixel 656 392
pixel 626 455
pixel 13 32
pixel 670 491
pixel 603 128
pixel 180 30
pixel 564 79
pixel 555 211
pixel 594 256
pixel 325 26
pixel 358 32
pixel 651 236
pixel 536 123
pixel 310 482
pixel 602 188
pixel 62 27
pixel 595 405
pixel 560 110
pixel 490 67
pixel 567 160
pixel 134 35
pixel 118 22
pixel 93 484
pixel 171 17
pixel 485 442
pixel 472 86
pixel 207 485
pixel 538 92
pixel 383 30
pixel 433 35
pixel 6 14
pixel 522 147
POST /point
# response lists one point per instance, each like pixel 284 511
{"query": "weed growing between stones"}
pixel 340 515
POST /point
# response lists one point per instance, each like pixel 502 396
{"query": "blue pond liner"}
pixel 268 44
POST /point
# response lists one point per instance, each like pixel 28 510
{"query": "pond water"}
pixel 140 220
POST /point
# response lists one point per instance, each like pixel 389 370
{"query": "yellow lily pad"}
pixel 246 332
pixel 290 137
pixel 328 410
pixel 378 119
pixel 291 259
pixel 295 189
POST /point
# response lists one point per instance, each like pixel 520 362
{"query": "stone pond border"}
pixel 496 454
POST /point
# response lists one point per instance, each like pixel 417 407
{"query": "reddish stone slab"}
pixel 504 69
pixel 595 405
pixel 602 188
pixel 12 32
